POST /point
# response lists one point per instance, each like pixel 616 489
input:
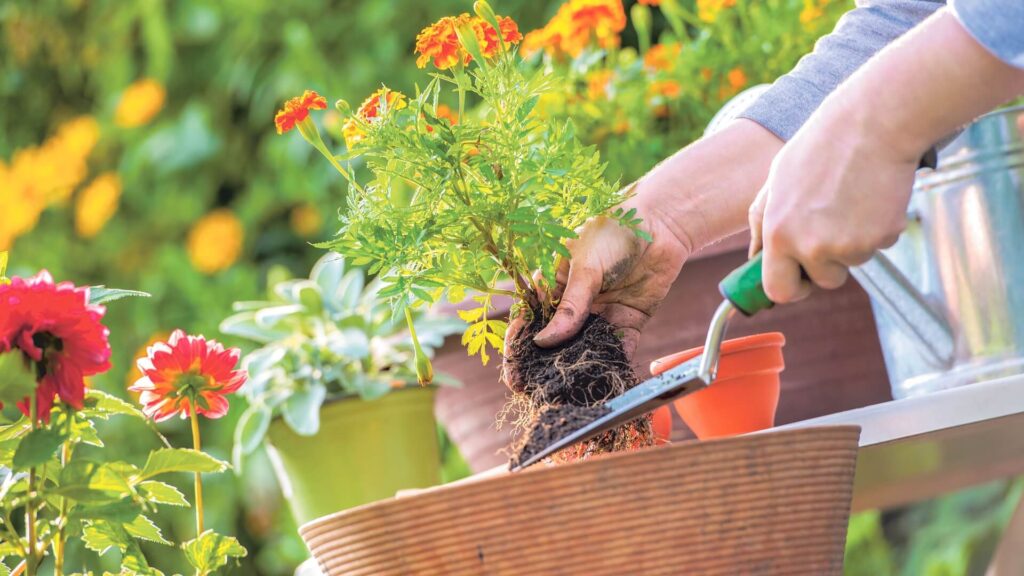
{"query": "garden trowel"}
pixel 743 291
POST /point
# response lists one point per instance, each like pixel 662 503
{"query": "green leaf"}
pixel 85 431
pixel 167 460
pixel 302 409
pixel 101 294
pixel 100 536
pixel 211 551
pixel 88 481
pixel 119 512
pixel 161 493
pixel 100 404
pixel 251 428
pixel 37 448
pixel 17 379
pixel 4 570
pixel 144 528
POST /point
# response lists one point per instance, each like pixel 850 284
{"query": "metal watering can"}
pixel 944 301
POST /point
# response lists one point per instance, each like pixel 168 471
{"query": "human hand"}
pixel 833 196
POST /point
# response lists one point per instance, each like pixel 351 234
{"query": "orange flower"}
pixel 440 43
pixel 369 111
pixel 737 78
pixel 372 107
pixel 444 112
pixel 597 84
pixel 576 25
pixel 707 10
pixel 666 88
pixel 811 13
pixel 662 57
pixel 297 109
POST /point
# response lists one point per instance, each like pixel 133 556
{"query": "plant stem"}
pixel 199 479
pixel 58 544
pixel 30 506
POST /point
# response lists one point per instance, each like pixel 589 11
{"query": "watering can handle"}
pixel 885 284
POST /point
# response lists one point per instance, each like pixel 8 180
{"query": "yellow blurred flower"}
pixel 139 103
pixel 708 10
pixel 133 372
pixel 96 204
pixel 42 175
pixel 305 220
pixel 215 242
pixel 811 13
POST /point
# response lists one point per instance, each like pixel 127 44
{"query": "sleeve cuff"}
pixel 998 25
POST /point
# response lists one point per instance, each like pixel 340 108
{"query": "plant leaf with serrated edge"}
pixel 145 528
pixel 161 493
pixel 101 294
pixel 119 512
pixel 37 447
pixel 103 405
pixel 88 481
pixel 167 460
pixel 211 551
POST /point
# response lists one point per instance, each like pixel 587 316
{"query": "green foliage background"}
pixel 227 65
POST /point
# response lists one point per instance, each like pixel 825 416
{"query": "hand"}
pixel 833 196
pixel 696 197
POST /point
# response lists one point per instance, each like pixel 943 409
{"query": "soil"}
pixel 558 390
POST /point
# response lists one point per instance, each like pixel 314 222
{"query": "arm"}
pixel 839 189
pixel 860 33
pixel 702 193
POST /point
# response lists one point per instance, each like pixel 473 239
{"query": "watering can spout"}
pixel 914 315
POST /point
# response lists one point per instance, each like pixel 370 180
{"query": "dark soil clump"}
pixel 549 386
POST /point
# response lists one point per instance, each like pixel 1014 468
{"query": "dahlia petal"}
pixel 216 405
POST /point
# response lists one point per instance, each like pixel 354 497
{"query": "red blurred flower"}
pixel 187 371
pixel 56 328
pixel 297 109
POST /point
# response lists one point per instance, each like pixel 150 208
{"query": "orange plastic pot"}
pixel 662 424
pixel 743 397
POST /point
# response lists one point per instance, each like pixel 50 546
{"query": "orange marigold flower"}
pixel 597 84
pixel 737 78
pixel 663 57
pixel 445 112
pixel 440 43
pixel 187 373
pixel 707 10
pixel 352 133
pixel 372 107
pixel 297 109
pixel 576 25
pixel 666 88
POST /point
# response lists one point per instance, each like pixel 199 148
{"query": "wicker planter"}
pixel 766 504
pixel 833 359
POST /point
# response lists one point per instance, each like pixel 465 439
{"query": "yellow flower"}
pixel 707 10
pixel 576 25
pixel 215 242
pixel 597 84
pixel 139 103
pixel 305 220
pixel 811 13
pixel 96 204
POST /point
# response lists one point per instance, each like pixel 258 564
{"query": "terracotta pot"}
pixel 768 504
pixel 744 395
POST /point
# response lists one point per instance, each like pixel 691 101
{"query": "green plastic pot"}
pixel 364 451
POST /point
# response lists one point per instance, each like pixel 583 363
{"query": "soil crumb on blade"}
pixel 556 391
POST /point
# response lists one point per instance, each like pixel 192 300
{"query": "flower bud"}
pixel 342 106
pixel 486 13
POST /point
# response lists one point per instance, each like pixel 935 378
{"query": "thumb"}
pixel 755 219
pixel 581 287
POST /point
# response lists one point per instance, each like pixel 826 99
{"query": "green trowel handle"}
pixel 744 288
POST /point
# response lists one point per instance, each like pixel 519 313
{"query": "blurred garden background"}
pixel 137 150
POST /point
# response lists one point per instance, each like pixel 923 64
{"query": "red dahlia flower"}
pixel 187 371
pixel 56 328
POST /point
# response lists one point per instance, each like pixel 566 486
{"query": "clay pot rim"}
pixel 537 473
pixel 731 346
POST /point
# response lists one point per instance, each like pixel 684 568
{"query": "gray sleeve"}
pixel 998 25
pixel 859 34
